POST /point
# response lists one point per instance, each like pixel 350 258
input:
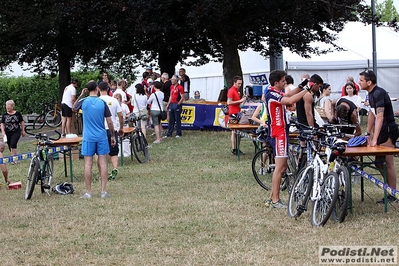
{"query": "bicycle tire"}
pixel 340 210
pixel 53 118
pixel 33 174
pixel 39 122
pixel 48 174
pixel 140 147
pixel 297 202
pixel 262 170
pixel 289 174
pixel 323 207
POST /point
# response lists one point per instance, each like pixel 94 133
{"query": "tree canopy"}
pixel 54 35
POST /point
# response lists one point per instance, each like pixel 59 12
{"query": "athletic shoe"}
pixel 268 201
pixel 262 171
pixel 157 141
pixel 104 194
pixel 177 136
pixel 86 196
pixel 389 198
pixel 113 174
pixel 278 205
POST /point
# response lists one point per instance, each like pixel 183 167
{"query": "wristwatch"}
pixel 367 134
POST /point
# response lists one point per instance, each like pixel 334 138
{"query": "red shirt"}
pixel 175 92
pixel 234 96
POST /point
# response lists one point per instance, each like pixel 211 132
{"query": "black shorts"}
pixel 13 138
pixel 66 110
pixel 391 132
pixel 113 150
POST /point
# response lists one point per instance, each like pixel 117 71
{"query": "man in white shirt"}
pixel 68 99
pixel 116 111
pixel 121 90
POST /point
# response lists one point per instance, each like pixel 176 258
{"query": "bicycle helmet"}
pixel 132 117
pixel 63 188
pixel 357 141
pixel 235 119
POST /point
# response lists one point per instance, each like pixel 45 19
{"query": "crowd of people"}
pixel 281 96
pixel 106 106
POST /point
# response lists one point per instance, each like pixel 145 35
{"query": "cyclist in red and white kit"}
pixel 276 102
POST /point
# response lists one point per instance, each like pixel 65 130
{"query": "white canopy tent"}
pixel 334 67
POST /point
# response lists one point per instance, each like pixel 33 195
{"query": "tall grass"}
pixel 194 203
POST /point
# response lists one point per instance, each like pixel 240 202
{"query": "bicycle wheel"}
pixel 341 206
pixel 47 176
pixel 33 174
pixel 39 122
pixel 53 118
pixel 139 146
pixel 263 168
pixel 297 202
pixel 323 207
pixel 289 175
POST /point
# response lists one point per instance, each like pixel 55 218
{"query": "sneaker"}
pixel 262 171
pixel 86 196
pixel 268 202
pixel 113 174
pixel 278 205
pixel 389 198
pixel 241 153
pixel 63 135
pixel 234 151
pixel 177 136
pixel 104 194
pixel 166 136
pixel 157 141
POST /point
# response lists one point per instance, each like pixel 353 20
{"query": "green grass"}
pixel 192 204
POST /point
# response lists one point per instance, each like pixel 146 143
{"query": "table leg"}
pixel 70 163
pixel 384 172
pixel 121 141
pixel 65 165
pixel 238 139
pixel 361 181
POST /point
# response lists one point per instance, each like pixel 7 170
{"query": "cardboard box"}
pixel 75 155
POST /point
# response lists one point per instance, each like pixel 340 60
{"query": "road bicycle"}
pixel 41 166
pixel 316 182
pixel 138 142
pixel 49 116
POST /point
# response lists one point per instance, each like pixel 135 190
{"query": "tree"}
pixel 53 35
pixel 387 11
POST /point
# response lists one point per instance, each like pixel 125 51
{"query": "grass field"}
pixel 192 204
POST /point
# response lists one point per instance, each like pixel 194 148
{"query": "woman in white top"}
pixel 139 102
pixel 156 110
pixel 351 94
pixel 324 101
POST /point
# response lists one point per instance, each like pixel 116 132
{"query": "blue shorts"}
pixel 100 147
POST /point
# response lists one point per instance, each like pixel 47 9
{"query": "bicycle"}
pixel 316 182
pixel 49 116
pixel 138 142
pixel 263 163
pixel 41 166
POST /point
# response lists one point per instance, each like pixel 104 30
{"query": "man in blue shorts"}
pixel 381 124
pixel 95 136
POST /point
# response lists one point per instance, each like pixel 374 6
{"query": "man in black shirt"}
pixel 381 123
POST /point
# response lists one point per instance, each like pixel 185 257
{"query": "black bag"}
pixel 163 114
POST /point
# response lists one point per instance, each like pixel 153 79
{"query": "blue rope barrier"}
pixel 29 155
pixel 393 192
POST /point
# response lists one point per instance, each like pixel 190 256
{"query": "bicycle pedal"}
pixel 46 187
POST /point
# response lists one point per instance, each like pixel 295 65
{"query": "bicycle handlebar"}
pixel 42 136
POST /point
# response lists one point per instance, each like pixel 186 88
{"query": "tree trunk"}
pixel 168 59
pixel 231 63
pixel 64 77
